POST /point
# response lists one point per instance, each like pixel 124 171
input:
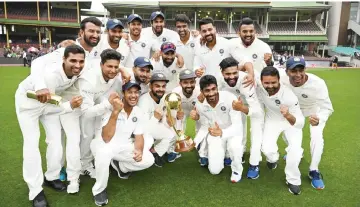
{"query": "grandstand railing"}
pixel 296 33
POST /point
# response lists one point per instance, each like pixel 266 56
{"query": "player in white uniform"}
pixel 112 39
pixel 168 65
pixel 189 93
pixel 315 104
pixel 157 31
pixel 121 142
pixel 140 44
pixel 158 125
pixel 249 105
pixel 218 131
pixel 30 111
pixel 213 50
pixel 283 115
pixel 249 45
pixel 186 43
pixel 94 85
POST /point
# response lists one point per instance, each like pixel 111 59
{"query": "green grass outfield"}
pixel 185 183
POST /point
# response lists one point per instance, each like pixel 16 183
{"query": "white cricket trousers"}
pixel 122 152
pixel 88 127
pixel 256 130
pixel 162 136
pixel 71 125
pixel 316 145
pixel 217 147
pixel 29 112
pixel 272 129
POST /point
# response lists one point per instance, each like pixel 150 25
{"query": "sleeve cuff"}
pixel 66 106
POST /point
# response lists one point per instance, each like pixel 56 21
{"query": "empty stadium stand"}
pixel 289 27
pixel 221 27
pixel 63 15
pixel 257 27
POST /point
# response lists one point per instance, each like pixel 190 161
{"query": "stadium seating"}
pixel 221 27
pixel 15 12
pixel 63 15
pixel 289 27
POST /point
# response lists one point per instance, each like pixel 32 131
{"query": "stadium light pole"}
pixel 195 21
pixel 267 19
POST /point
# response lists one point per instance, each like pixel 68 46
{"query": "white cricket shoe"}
pixel 73 186
pixel 235 177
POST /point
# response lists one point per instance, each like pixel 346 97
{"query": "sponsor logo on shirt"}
pixel 134 119
pixel 254 56
pixel 95 53
pixel 164 39
pixel 223 108
pixel 237 91
pixel 221 51
pixel 173 71
pixel 143 45
pixel 192 45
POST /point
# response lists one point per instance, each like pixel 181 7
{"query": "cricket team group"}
pixel 112 110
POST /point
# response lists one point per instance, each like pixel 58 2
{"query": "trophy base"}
pixel 184 145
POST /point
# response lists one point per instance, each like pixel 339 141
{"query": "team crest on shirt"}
pixel 134 119
pixel 193 103
pixel 254 56
pixel 221 51
pixel 304 95
pixel 223 108
pixel 143 45
pixel 173 71
pixel 278 102
pixel 95 53
pixel 122 57
pixel 164 39
pixel 192 45
pixel 164 108
pixel 237 91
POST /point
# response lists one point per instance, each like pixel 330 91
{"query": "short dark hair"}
pixel 245 21
pixel 73 49
pixel 228 62
pixel 110 54
pixel 207 80
pixel 270 71
pixel 182 18
pixel 206 20
pixel 93 20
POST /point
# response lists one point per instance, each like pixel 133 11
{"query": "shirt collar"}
pixel 78 43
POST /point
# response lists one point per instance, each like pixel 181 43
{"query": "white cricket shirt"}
pixel 313 97
pixel 171 72
pixel 222 113
pixel 187 50
pixel 283 97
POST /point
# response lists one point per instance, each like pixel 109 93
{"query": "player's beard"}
pixel 208 40
pixel 168 61
pixel 90 43
pixel 158 96
pixel 188 90
pixel 140 79
pixel 114 39
pixel 272 90
pixel 158 30
pixel 231 81
pixel 246 41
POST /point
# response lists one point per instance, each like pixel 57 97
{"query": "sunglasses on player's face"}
pixel 168 46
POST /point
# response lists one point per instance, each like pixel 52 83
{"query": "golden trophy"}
pixel 183 143
pixel 55 99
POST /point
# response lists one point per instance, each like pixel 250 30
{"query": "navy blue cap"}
pixel 133 17
pixel 156 14
pixel 293 62
pixel 142 62
pixel 112 23
pixel 129 85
